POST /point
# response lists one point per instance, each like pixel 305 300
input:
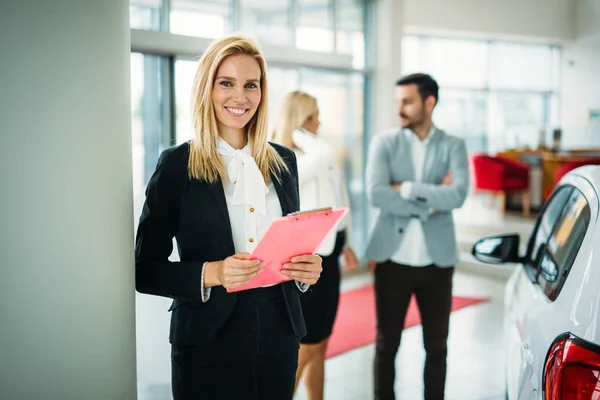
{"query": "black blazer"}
pixel 195 212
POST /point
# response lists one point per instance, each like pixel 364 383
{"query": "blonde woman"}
pixel 321 185
pixel 217 195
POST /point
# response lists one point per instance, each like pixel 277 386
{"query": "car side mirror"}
pixel 497 249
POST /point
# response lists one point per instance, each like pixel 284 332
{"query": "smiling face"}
pixel 236 94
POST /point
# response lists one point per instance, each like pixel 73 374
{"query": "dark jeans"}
pixel 394 286
pixel 254 356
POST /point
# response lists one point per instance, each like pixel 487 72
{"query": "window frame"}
pixel 533 267
pixel 563 271
pixel 530 265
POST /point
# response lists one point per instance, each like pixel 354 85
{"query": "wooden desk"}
pixel 550 162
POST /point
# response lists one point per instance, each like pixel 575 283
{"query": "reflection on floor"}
pixel 475 355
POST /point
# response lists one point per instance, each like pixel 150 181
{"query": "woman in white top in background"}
pixel 321 185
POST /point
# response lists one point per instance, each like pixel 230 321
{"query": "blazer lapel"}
pixel 217 190
pixel 284 199
pixel 406 157
pixel 431 156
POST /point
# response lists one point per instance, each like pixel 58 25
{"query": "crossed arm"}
pixel 421 197
pixel 380 192
pixel 451 193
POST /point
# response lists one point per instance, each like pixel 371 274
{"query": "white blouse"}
pixel 251 204
pixel 320 179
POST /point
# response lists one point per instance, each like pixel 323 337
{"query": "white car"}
pixel 552 303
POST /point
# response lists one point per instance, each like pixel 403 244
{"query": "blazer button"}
pixel 251 209
pixel 400 230
pixel 251 240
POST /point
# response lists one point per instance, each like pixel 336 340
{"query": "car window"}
pixel 544 227
pixel 563 245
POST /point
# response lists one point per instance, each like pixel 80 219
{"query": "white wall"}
pixel 67 324
pixel 581 78
pixel 545 19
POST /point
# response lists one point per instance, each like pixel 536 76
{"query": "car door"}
pixel 520 293
pixel 547 318
pixel 551 252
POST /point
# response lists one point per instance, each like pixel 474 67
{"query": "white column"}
pixel 67 326
pixel 388 26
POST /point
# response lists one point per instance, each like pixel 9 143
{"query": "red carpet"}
pixel 355 323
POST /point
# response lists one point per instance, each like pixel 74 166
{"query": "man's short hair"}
pixel 425 83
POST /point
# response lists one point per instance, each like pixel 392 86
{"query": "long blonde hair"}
pixel 296 109
pixel 204 162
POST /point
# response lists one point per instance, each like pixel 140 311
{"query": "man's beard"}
pixel 408 123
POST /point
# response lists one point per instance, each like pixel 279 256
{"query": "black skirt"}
pixel 254 356
pixel 320 302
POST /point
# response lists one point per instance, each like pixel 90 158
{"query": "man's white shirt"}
pixel 412 250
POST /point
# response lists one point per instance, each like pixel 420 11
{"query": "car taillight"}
pixel 572 370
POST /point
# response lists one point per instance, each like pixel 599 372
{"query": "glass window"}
pixel 350 36
pixel 544 226
pixel 149 120
pixel 201 18
pixel 522 66
pixel 556 68
pixel 452 62
pixel 268 21
pixel 185 71
pixel 340 98
pixel 314 29
pixel 145 14
pixel 515 119
pixel 564 244
pixel 463 113
pixel 410 55
pixel 509 101
pixel 281 81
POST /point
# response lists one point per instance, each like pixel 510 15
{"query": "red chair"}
pixel 571 165
pixel 498 176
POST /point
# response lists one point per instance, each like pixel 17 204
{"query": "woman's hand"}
pixel 234 271
pixel 304 269
pixel 349 259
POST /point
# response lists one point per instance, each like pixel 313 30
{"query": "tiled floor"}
pixel 475 355
pixel 475 363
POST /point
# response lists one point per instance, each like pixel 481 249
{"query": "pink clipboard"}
pixel 290 236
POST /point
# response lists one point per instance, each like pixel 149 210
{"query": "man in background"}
pixel 416 176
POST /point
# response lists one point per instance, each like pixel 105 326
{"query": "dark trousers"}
pixel 394 286
pixel 254 356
